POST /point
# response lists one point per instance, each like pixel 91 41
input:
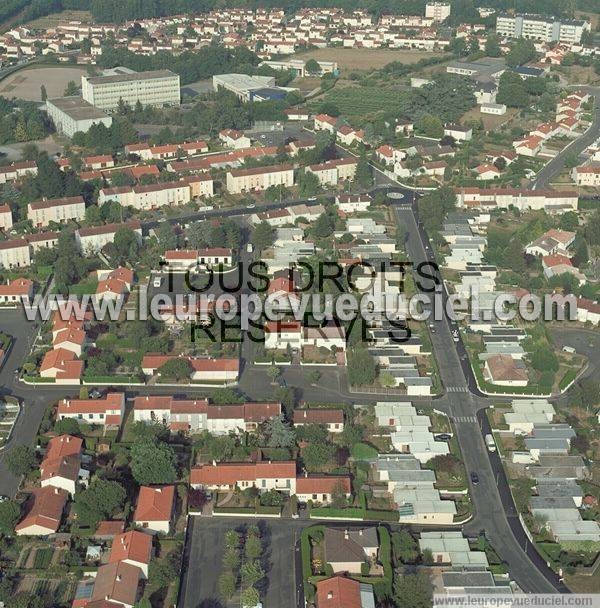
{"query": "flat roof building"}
pixel 73 114
pixel 153 88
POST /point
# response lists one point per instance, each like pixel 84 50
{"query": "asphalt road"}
pixel 494 510
pixel 545 176
pixel 282 586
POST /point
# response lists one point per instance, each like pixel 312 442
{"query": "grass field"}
pixel 56 18
pixel 364 59
pixel 353 101
pixel 26 84
pixel 490 121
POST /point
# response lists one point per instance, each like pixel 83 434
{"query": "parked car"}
pixel 474 478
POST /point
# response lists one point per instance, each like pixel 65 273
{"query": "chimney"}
pixel 346 536
pixel 305 413
pixel 119 578
pixel 360 532
pixel 214 463
pixel 330 595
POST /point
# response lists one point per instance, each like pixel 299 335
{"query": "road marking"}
pixel 465 419
pixel 458 389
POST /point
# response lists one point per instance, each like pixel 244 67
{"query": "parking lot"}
pixel 204 555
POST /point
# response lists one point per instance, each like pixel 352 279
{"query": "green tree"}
pixel 364 175
pixel 10 513
pixel 71 89
pixel 521 51
pixel 67 426
pixel 430 126
pixel 308 184
pixel 316 456
pixel 251 573
pixel 152 462
pixel 263 236
pixel 413 590
pixel 176 369
pixel 163 571
pixel 323 226
pixel 253 547
pixel 101 500
pixel 405 547
pixel 126 244
pixel 512 91
pixel 361 366
pixel 249 597
pixel 492 46
pixel 312 67
pixel 227 585
pixel 278 433
pixel 20 460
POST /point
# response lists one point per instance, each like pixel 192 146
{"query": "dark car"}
pixel 281 381
pixel 474 478
pixel 443 437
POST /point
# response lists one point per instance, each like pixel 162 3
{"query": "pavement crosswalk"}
pixel 458 389
pixel 465 419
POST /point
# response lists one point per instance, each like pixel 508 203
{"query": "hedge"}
pixel 351 513
pixel 567 379
pixel 244 510
pixel 307 534
pixel 486 387
pixel 38 379
pixel 110 379
pixel 268 510
pixel 382 515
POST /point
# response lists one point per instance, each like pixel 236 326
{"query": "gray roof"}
pixel 77 108
pixel 468 578
pixel 149 75
pixel 349 545
pixel 562 489
pixel 551 502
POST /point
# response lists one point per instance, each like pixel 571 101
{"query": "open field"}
pixel 56 18
pixel 25 84
pixel 490 121
pixel 365 59
pixel 353 101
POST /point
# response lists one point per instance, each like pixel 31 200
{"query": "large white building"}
pixel 259 178
pixel 540 27
pixel 73 114
pixel 154 88
pixel 438 11
pixel 58 210
pixel 242 85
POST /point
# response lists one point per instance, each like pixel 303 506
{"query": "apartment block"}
pixel 15 171
pixel 153 88
pixel 438 11
pixel 14 254
pixel 553 201
pixel 540 27
pixel 92 240
pixel 334 171
pixel 58 210
pixel 259 178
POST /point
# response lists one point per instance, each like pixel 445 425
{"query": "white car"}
pixel 157 282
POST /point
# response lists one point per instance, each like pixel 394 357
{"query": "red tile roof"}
pixel 338 592
pixel 155 503
pixel 318 416
pixel 323 484
pixel 45 508
pixel 135 546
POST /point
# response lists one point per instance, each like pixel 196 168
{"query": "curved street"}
pixel 495 512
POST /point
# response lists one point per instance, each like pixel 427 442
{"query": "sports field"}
pixel 365 59
pixel 26 84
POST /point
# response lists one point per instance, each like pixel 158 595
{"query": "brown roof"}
pixel 323 484
pixel 135 546
pixel 318 415
pixel 117 582
pixel 45 508
pixel 260 170
pixel 57 202
pixel 155 503
pixel 338 592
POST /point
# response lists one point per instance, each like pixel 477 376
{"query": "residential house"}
pixel 134 548
pixel 107 411
pixel 16 291
pixel 321 488
pixel 61 464
pixel 58 210
pixel 342 592
pixel 503 370
pixel 331 418
pixel 43 512
pixel 6 220
pixel 347 550
pixel 155 508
